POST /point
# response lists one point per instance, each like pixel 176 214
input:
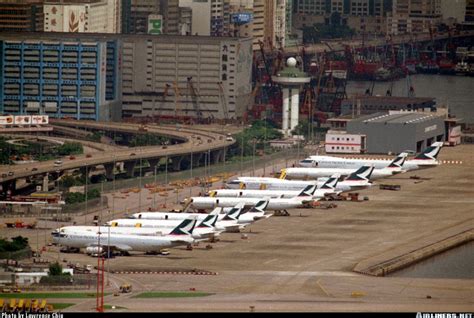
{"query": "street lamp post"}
pixel 191 173
pixel 154 192
pixel 254 141
pixel 113 186
pixel 140 187
pixel 242 154
pixel 85 191
pixel 166 170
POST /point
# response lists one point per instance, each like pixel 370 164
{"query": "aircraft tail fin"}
pixel 260 206
pixel 186 227
pixel 209 221
pixel 331 182
pixel 308 191
pixel 363 173
pixel 430 153
pixel 283 174
pixel 235 212
pixel 398 161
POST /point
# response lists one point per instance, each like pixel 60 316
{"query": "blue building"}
pixel 60 75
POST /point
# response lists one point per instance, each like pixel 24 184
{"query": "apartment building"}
pixel 24 16
pixel 413 16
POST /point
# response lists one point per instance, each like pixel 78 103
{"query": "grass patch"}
pixel 49 295
pixel 166 294
pixel 58 306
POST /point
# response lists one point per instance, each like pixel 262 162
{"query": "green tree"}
pixel 17 243
pixel 70 148
pixel 55 269
pixel 260 132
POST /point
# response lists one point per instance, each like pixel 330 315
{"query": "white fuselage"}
pixel 147 221
pixel 233 193
pixel 273 204
pixel 356 163
pixel 255 183
pixel 124 242
pixel 302 173
pixel 165 229
pixel 171 216
pixel 348 185
pixel 288 185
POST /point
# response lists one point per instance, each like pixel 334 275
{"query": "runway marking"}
pixel 270 261
pixel 323 289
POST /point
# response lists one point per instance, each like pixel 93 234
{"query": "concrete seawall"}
pixel 409 254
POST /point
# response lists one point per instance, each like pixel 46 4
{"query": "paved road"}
pixel 194 141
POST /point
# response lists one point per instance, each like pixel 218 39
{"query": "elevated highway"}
pixel 194 143
pixel 339 45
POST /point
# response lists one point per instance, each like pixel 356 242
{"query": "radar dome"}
pixel 291 62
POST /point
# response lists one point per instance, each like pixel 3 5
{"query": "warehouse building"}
pixel 398 131
pixel 66 75
pixel 365 105
pixel 110 76
pixel 186 76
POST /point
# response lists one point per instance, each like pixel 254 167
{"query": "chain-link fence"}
pixel 236 165
pixel 84 280
pixel 17 255
pixel 92 205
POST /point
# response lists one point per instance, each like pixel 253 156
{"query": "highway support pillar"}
pixel 153 163
pixel 45 182
pixel 109 171
pixel 176 163
pixel 217 156
pixel 129 167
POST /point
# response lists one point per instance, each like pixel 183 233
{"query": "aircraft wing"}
pixel 233 228
pixel 115 247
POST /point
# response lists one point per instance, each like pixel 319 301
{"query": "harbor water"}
pixel 455 91
pixel 456 263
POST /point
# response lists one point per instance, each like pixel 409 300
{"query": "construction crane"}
pixel 176 98
pixel 265 62
pixel 195 102
pixel 223 100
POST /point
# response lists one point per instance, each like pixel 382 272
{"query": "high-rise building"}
pixel 100 76
pixel 454 11
pixel 414 16
pixel 139 16
pixel 100 16
pixel 185 21
pixel 26 16
pixel 312 7
pixel 184 75
pixel 469 17
pixel 60 75
pixel 361 15
pixel 210 17
pixel 135 15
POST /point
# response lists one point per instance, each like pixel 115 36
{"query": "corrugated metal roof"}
pixel 407 118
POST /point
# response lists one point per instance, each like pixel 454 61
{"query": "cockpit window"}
pixel 307 161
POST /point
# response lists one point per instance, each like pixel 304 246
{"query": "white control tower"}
pixel 290 79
